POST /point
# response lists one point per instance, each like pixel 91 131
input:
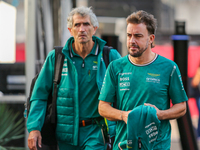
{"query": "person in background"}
pixel 142 78
pixel 78 121
pixel 196 85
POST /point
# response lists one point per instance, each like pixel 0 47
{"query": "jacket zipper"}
pixel 83 64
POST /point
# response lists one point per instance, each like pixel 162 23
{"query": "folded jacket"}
pixel 142 129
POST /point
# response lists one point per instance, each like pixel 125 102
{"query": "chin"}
pixel 135 54
pixel 83 42
pixel 132 53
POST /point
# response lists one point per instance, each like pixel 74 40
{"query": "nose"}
pixel 132 39
pixel 81 28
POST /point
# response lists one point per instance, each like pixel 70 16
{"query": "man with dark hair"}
pixel 142 78
pixel 78 121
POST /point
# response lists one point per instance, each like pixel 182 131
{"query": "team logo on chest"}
pixel 94 67
pixel 152 77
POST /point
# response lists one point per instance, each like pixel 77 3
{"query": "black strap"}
pixel 59 60
pixel 106 51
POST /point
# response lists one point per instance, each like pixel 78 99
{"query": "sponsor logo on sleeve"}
pixel 181 82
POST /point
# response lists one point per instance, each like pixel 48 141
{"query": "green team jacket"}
pixel 67 96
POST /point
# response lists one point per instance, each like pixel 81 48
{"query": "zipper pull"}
pixel 83 64
pixel 139 143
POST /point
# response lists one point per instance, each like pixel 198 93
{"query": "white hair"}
pixel 83 11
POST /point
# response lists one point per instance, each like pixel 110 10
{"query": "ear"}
pixel 70 30
pixel 152 38
pixel 95 29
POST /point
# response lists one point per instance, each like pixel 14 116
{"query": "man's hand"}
pixel 158 112
pixel 174 112
pixel 124 115
pixel 33 138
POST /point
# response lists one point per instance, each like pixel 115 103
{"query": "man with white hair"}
pixel 78 121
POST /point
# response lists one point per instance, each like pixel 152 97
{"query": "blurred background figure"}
pixel 195 83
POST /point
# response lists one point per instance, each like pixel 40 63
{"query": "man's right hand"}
pixel 33 138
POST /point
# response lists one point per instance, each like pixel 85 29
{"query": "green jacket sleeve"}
pixel 44 82
pixel 41 90
pixel 36 115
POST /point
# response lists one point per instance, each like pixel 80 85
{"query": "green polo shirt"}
pixel 155 83
pixel 88 90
